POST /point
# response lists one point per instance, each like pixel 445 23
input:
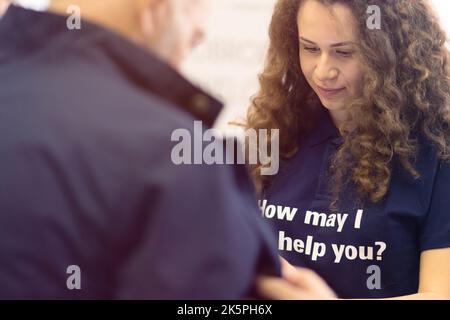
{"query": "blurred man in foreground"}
pixel 91 205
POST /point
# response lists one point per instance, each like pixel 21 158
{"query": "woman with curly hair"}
pixel 363 108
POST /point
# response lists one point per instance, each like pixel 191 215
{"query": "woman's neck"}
pixel 339 118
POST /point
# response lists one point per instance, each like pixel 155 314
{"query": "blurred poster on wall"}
pixel 228 62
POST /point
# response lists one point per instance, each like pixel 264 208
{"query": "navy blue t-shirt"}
pixel 371 251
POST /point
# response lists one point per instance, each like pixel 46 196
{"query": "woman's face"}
pixel 328 55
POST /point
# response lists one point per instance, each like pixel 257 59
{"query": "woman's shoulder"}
pixel 427 162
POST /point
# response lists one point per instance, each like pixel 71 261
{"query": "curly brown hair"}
pixel 406 92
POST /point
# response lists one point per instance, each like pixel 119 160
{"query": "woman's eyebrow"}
pixel 309 41
pixel 339 44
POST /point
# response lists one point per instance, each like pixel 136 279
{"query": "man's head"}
pixel 170 28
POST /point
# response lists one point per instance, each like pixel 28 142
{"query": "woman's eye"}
pixel 311 49
pixel 344 54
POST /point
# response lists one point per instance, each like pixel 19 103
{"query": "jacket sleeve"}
pixel 197 234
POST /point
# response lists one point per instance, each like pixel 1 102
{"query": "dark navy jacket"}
pixel 86 177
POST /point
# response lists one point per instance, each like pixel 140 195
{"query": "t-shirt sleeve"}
pixel 436 230
pixel 199 236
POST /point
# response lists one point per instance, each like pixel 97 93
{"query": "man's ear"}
pixel 152 15
pixel 4 4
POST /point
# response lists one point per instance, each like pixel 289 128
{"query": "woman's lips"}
pixel 329 93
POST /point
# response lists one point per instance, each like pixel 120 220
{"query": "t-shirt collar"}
pixel 324 130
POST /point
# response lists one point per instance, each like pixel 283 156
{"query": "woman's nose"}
pixel 325 70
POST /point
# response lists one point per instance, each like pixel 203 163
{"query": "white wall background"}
pixel 443 8
pixel 228 62
pixel 33 4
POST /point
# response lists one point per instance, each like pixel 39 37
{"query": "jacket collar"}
pixel 25 31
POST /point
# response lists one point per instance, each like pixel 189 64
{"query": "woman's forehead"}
pixel 326 24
